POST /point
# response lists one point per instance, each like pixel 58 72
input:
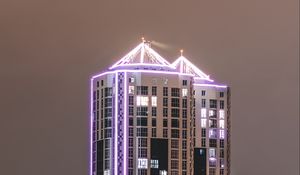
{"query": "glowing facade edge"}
pixel 116 125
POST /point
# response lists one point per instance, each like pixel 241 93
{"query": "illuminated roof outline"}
pixel 141 55
pixel 183 65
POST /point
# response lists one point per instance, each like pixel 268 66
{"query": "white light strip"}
pixel 125 125
pixel 211 85
pixel 91 128
pixel 116 125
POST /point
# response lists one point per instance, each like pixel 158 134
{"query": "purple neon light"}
pixel 91 128
pixel 125 125
pixel 116 124
pixel 211 85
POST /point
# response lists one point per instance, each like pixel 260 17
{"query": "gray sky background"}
pixel 49 49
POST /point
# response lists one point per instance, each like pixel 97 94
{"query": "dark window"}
pixel 165 91
pixel 184 134
pixel 174 112
pixel 165 123
pixel 153 122
pixel 221 153
pixel 131 100
pixel 107 92
pixel 184 82
pixel 130 121
pixel 175 123
pixel 184 103
pixel 141 121
pixel 184 113
pixel 203 142
pixel 203 93
pixel 221 143
pixel 131 132
pixel 98 84
pixel 221 94
pixel 212 103
pixel 141 132
pixel 108 102
pixel 175 102
pixel 203 103
pixel 165 133
pixel 102 82
pixel 153 132
pixel 175 133
pixel 142 111
pixel 142 90
pixel 165 112
pixel 212 123
pixel 107 123
pixel 221 104
pixel 131 111
pixel 184 124
pixel 153 111
pixel 203 132
pixel 165 102
pixel 175 92
pixel 154 90
pixel 213 143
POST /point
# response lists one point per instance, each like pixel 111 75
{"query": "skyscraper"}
pixel 149 116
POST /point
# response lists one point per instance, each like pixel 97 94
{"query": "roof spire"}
pixel 181 52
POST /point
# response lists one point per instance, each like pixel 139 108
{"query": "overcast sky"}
pixel 50 48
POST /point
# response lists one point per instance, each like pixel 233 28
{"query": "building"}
pixel 149 116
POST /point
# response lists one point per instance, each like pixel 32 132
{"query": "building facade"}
pixel 151 117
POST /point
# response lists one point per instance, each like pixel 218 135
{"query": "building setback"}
pixel 150 117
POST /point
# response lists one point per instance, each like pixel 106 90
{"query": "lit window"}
pixel 153 101
pixel 142 101
pixel 203 113
pixel 142 163
pixel 131 90
pixel 222 114
pixel 203 123
pixel 212 152
pixel 212 113
pixel 212 133
pixel 163 172
pixel 184 92
pixel 154 163
pixel 221 123
pixel 222 134
pixel 131 80
pixel 106 172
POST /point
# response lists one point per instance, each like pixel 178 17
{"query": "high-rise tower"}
pixel 152 117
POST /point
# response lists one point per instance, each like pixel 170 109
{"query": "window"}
pixel 154 90
pixel 154 101
pixel 174 164
pixel 108 92
pixel 174 144
pixel 203 93
pixel 221 104
pixel 102 82
pixel 213 133
pixel 221 94
pixel 131 89
pixel 203 132
pixel 203 113
pixel 184 134
pixel 184 144
pixel 184 124
pixel 153 111
pixel 175 112
pixel 222 162
pixel 174 133
pixel 221 143
pixel 108 102
pixel 131 99
pixel 212 153
pixel 221 124
pixel 222 134
pixel 184 113
pixel 131 132
pixel 130 143
pixel 153 132
pixel 212 103
pixel 175 92
pixel 221 114
pixel 184 92
pixel 213 143
pixel 212 123
pixel 142 142
pixel 174 154
pixel 131 111
pixel 142 90
pixel 142 132
pixel 184 82
pixel 221 171
pixel 165 102
pixel 165 112
pixel 142 163
pixel 175 102
pixel 165 123
pixel 165 133
pixel 142 111
pixel 203 123
pixel 212 113
pixel 142 101
pixel 184 103
pixel 131 80
pixel 221 153
pixel 154 122
pixel 212 162
pixel 141 121
pixel 183 154
pixel 165 91
pixel 203 103
pixel 154 164
pixel 175 123
pixel 203 142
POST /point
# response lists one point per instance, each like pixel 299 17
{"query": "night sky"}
pixel 50 48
